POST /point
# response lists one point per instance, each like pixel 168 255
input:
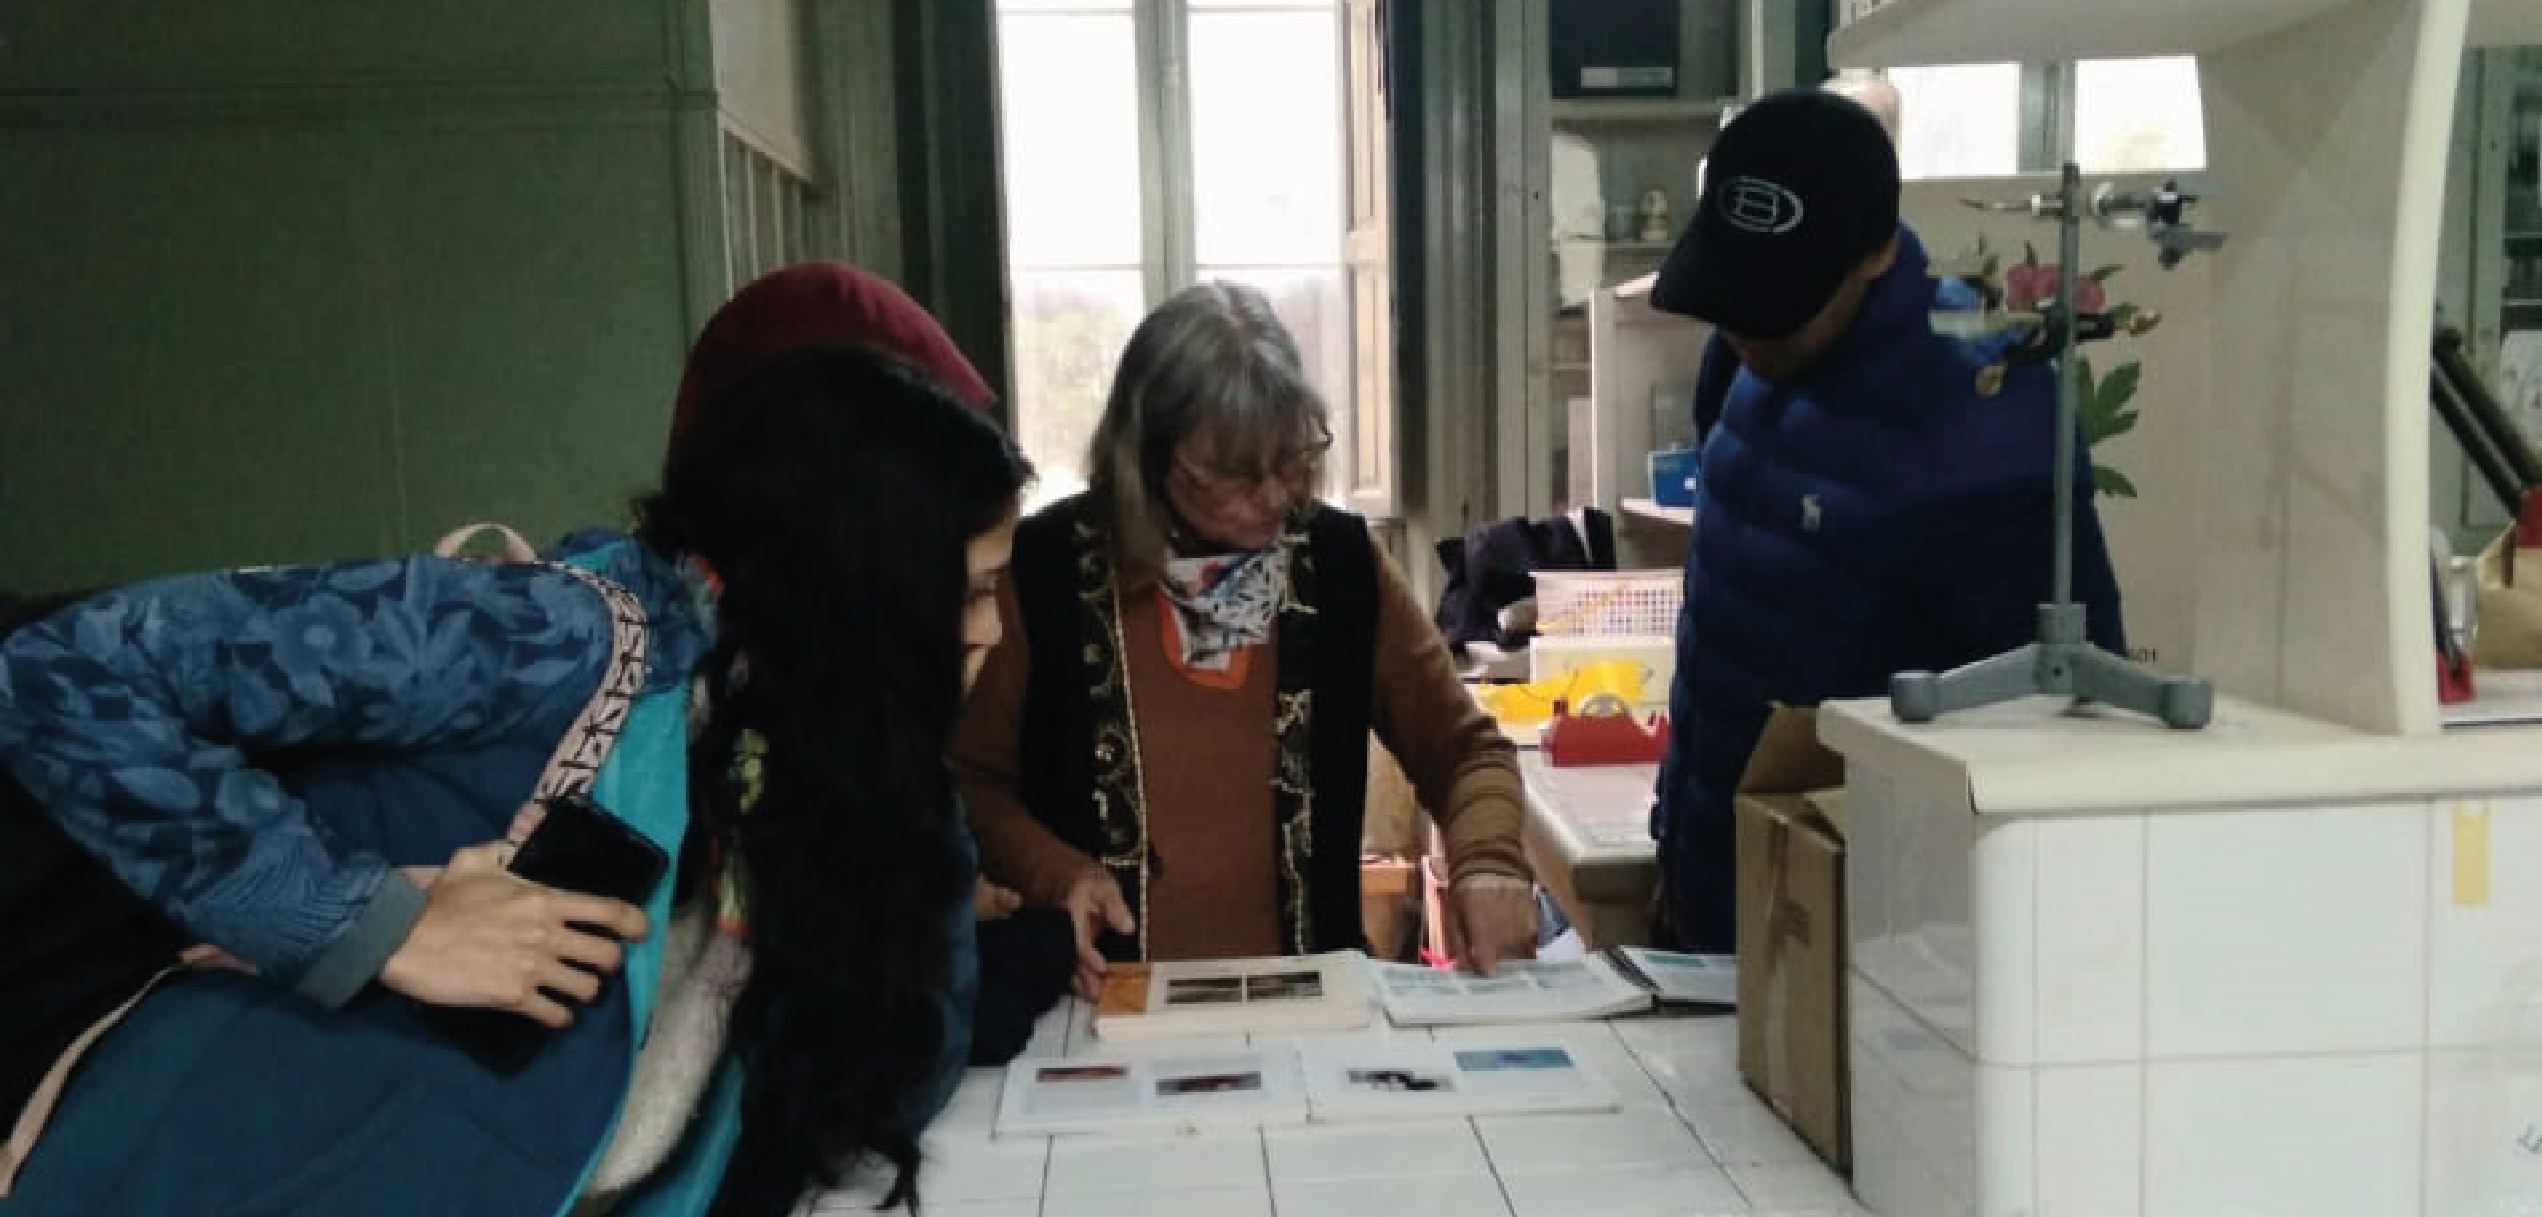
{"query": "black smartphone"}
pixel 577 848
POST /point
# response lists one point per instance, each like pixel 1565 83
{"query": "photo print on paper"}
pixel 1488 1060
pixel 1204 990
pixel 1284 986
pixel 1209 1083
pixel 1400 1081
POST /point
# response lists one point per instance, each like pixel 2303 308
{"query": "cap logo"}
pixel 1753 204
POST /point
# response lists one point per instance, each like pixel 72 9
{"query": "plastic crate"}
pixel 1608 601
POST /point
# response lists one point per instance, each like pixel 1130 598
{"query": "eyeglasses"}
pixel 1289 471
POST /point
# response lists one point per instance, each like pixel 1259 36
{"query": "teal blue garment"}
pixel 273 740
pixel 645 782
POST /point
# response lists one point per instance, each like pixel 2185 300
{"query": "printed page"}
pixel 1234 997
pixel 1405 1079
pixel 1524 991
pixel 1706 980
pixel 1152 1092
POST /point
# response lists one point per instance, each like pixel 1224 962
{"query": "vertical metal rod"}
pixel 2069 376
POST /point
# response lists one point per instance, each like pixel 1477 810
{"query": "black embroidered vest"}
pixel 1078 764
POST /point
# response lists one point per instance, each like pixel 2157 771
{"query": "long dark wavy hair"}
pixel 833 494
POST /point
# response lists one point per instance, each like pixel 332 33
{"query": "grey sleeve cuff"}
pixel 357 955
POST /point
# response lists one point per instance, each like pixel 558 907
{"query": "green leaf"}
pixel 2086 391
pixel 2121 385
pixel 2095 424
pixel 2029 254
pixel 2102 274
pixel 2121 314
pixel 2106 480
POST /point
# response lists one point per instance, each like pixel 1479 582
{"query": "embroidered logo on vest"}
pixel 1809 513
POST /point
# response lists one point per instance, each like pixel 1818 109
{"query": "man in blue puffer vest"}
pixel 1877 498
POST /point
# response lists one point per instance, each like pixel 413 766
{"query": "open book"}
pixel 1145 1001
pixel 1152 1092
pixel 1676 978
pixel 1521 991
pixel 1410 1079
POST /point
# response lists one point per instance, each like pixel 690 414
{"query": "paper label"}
pixel 2471 854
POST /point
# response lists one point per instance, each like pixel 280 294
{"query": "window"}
pixel 1068 98
pixel 2138 115
pixel 1150 144
pixel 1963 120
pixel 1996 119
pixel 767 212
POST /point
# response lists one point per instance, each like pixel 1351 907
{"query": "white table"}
pixel 1690 1141
pixel 1588 836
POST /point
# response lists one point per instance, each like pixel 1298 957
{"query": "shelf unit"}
pixel 1593 163
pixel 1623 111
pixel 1652 510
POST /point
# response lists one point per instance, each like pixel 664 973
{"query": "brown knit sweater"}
pixel 1206 758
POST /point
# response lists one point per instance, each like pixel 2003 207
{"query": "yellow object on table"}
pixel 1525 707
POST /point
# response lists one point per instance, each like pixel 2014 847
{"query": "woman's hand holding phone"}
pixel 489 938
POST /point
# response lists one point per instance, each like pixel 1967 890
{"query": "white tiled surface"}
pixel 2090 997
pixel 2226 1010
pixel 1910 891
pixel 2485 940
pixel 1688 1141
pixel 2003 895
pixel 2484 1137
pixel 2091 1146
pixel 2288 1137
pixel 2299 930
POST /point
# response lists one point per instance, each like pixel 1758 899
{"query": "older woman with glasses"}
pixel 1171 740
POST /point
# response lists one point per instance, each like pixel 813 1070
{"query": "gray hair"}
pixel 1213 359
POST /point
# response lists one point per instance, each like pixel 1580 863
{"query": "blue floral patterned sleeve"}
pixel 133 718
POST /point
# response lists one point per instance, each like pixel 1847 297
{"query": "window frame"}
pixel 2048 101
pixel 1169 236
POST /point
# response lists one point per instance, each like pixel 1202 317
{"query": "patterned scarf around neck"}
pixel 1224 603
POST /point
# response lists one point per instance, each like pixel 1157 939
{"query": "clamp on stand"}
pixel 2064 661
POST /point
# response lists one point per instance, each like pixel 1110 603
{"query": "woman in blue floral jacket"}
pixel 303 767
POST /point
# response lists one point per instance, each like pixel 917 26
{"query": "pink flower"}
pixel 2030 283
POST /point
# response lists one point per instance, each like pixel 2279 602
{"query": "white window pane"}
pixel 1267 153
pixel 1959 121
pixel 1068 99
pixel 1322 4
pixel 2138 115
pixel 1070 327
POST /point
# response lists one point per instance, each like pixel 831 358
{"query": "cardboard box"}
pixel 1792 1047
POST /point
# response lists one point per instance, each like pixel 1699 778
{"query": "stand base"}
pixel 2061 662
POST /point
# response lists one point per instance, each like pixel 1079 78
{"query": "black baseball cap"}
pixel 1798 190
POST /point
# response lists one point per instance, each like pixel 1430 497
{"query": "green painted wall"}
pixel 290 282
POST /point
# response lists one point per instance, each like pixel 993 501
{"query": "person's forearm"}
pixel 1481 821
pixel 1017 850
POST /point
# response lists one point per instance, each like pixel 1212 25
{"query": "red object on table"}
pixel 1604 739
pixel 2453 678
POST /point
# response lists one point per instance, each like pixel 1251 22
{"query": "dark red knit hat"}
pixel 815 304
